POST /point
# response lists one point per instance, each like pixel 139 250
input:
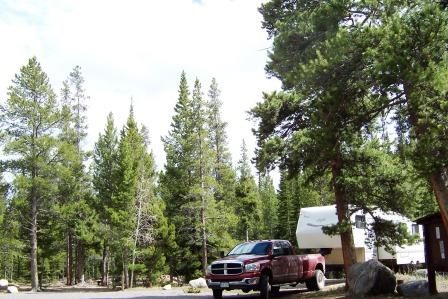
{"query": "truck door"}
pixel 292 261
pixel 280 271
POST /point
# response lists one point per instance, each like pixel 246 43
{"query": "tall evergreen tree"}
pixel 223 172
pixel 317 123
pixel 75 183
pixel 286 220
pixel 248 205
pixel 31 118
pixel 202 189
pixel 176 179
pixel 410 64
pixel 269 204
pixel 151 231
pixel 131 150
pixel 188 183
pixel 105 183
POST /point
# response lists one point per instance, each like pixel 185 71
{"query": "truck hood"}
pixel 245 258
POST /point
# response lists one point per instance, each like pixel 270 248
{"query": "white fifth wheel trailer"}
pixel 310 236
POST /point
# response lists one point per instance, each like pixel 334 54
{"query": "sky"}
pixel 138 49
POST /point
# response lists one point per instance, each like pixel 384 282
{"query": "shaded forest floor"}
pixel 333 290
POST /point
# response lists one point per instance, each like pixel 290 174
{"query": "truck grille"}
pixel 227 268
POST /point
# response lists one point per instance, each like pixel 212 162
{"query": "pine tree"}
pixel 269 204
pixel 150 223
pixel 105 183
pixel 286 221
pixel 31 118
pixel 204 167
pixel 321 121
pixel 223 172
pixel 415 79
pixel 188 183
pixel 74 187
pixel 131 151
pixel 176 179
pixel 248 205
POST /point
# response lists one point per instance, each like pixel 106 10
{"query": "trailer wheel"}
pixel 217 294
pixel 317 282
pixel 264 287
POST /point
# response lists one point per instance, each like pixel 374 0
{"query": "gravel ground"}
pixel 153 293
pixel 334 290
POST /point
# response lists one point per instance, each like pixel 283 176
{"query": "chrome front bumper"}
pixel 246 283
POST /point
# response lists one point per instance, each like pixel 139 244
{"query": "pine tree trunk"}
pixel 126 274
pixel 104 262
pixel 123 275
pixel 33 236
pixel 204 239
pixel 136 236
pixel 441 192
pixel 131 280
pixel 69 258
pixel 80 262
pixel 347 243
pixel 203 203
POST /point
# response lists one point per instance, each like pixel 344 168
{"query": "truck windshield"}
pixel 251 248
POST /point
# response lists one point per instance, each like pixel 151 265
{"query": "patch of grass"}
pixel 441 280
pixel 192 290
pixel 327 294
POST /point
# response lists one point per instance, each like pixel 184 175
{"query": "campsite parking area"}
pixel 153 293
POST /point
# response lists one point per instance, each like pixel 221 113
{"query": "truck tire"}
pixel 317 282
pixel 217 294
pixel 264 287
pixel 275 290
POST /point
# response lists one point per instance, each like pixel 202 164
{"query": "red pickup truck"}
pixel 265 266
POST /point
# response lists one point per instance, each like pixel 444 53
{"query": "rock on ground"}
pixel 418 288
pixel 12 289
pixel 167 287
pixel 371 278
pixel 3 284
pixel 198 283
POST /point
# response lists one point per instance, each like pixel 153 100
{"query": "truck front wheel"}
pixel 264 287
pixel 217 294
pixel 317 282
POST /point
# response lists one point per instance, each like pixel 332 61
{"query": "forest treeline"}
pixel 73 213
pixel 361 122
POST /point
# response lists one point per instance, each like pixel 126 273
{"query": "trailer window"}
pixel 360 221
pixel 415 229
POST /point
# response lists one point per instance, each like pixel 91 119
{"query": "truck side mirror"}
pixel 222 254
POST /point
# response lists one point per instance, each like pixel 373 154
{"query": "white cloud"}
pixel 138 49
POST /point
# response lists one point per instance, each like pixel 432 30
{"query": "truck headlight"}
pixel 251 267
pixel 209 270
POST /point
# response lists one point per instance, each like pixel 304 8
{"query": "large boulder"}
pixel 371 278
pixel 3 284
pixel 12 289
pixel 198 283
pixel 418 288
pixel 167 287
